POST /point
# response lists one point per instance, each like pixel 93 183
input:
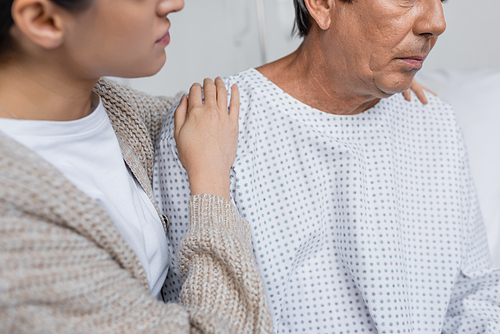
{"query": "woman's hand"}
pixel 207 136
pixel 418 89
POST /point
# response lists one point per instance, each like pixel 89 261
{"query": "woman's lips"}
pixel 164 40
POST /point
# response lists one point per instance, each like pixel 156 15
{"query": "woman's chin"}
pixel 157 65
pixel 147 70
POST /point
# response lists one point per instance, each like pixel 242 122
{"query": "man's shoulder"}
pixel 414 122
pixel 246 78
pixel 433 101
pixel 436 109
pixel 251 83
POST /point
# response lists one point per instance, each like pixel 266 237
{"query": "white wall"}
pixel 208 38
pixel 472 39
pixel 221 37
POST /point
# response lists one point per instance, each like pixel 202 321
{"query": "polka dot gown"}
pixel 364 223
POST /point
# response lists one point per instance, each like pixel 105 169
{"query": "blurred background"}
pixel 223 37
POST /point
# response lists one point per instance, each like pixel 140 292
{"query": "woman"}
pixel 82 244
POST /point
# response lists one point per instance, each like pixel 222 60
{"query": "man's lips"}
pixel 413 61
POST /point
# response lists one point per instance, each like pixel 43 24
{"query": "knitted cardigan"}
pixel 65 268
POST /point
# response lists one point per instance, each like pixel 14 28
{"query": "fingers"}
pixel 407 94
pixel 430 91
pixel 195 95
pixel 419 91
pixel 210 92
pixel 421 96
pixel 234 107
pixel 221 94
pixel 180 114
pixel 215 95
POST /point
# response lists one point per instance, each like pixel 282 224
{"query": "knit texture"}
pixel 65 268
pixel 219 244
pixel 136 118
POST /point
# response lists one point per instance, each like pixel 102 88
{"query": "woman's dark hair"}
pixel 302 23
pixel 6 21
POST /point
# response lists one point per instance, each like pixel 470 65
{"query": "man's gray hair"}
pixel 303 18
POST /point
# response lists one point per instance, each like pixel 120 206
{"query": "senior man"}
pixel 363 212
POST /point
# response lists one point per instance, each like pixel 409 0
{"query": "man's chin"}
pixel 393 82
pixel 389 90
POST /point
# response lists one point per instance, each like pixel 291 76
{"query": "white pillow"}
pixel 475 96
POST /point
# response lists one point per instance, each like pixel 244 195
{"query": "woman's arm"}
pixel 216 257
pixel 57 277
pixel 221 278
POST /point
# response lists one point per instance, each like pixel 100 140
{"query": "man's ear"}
pixel 320 11
pixel 40 21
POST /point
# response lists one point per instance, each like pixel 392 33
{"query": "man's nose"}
pixel 431 21
pixel 166 7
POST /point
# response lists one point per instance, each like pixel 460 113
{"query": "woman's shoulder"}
pixel 132 112
pixel 119 95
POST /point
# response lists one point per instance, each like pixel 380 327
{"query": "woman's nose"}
pixel 166 7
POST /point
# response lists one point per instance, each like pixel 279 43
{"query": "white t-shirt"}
pixel 360 224
pixel 87 152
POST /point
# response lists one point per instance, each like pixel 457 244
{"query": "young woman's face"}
pixel 123 38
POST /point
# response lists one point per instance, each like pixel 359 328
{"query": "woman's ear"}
pixel 321 11
pixel 40 21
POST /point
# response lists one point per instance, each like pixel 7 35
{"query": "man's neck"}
pixel 33 91
pixel 306 76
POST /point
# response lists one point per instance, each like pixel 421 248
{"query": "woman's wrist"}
pixel 209 183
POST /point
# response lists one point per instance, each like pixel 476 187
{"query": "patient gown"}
pixel 360 224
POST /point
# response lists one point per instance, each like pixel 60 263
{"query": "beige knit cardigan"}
pixel 65 268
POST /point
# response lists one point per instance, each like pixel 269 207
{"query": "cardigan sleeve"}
pixel 216 261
